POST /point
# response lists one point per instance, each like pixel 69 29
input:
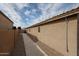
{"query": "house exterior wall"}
pixel 72 36
pixel 60 35
pixel 4 22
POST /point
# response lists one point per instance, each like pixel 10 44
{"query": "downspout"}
pixel 78 34
pixel 67 34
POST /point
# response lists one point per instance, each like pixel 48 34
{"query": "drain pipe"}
pixel 67 34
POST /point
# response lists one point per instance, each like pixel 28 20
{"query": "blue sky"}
pixel 27 14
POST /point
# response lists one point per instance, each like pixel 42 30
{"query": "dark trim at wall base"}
pixel 78 34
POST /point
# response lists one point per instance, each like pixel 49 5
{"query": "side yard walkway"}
pixel 19 49
pixel 31 48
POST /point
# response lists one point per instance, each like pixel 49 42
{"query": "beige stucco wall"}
pixel 4 22
pixel 55 35
pixel 72 37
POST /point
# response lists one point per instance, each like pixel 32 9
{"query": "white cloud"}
pixel 51 10
pixel 21 5
pixel 48 11
pixel 34 10
pixel 1 7
pixel 11 13
pixel 27 12
pixel 27 19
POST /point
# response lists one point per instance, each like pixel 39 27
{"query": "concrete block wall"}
pixel 60 35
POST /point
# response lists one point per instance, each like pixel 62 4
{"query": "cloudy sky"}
pixel 27 14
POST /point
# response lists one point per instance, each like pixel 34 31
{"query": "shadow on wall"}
pixel 48 50
pixel 34 38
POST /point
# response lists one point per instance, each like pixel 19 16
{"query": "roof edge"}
pixel 63 15
pixel 6 16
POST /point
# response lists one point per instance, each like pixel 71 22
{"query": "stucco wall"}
pixel 72 36
pixel 59 35
pixel 4 22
